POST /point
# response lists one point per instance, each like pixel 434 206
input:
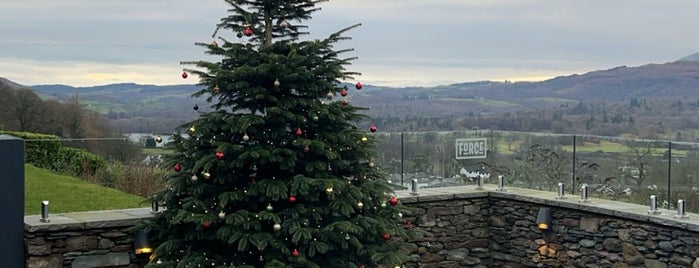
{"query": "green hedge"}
pixel 39 149
pixel 45 151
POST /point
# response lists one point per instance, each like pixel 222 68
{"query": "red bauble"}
pixel 248 31
pixel 219 155
pixel 386 236
pixel 372 128
pixel 177 167
pixel 393 201
pixel 206 225
pixel 292 199
pixel 184 74
pixel 299 132
pixel 344 103
pixel 295 253
pixel 358 85
pixel 410 225
pixel 343 92
pixel 361 266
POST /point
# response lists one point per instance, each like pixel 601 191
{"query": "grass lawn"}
pixel 68 194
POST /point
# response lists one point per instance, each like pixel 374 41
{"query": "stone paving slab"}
pixel 86 220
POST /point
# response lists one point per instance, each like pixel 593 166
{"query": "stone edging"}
pixel 87 220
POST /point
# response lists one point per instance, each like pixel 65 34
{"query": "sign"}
pixel 471 148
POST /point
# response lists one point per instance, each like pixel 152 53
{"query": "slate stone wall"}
pixel 92 243
pixel 499 230
pixel 462 228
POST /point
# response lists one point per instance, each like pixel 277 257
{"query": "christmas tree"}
pixel 278 174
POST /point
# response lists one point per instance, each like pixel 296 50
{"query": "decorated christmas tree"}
pixel 278 174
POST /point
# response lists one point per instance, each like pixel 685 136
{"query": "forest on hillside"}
pixel 22 110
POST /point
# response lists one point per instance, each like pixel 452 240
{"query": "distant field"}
pixel 155 151
pixel 68 194
pixel 588 147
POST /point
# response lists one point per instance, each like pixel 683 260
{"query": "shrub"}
pixel 39 149
pixel 77 162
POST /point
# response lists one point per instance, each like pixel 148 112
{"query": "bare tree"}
pixel 546 163
pixel 28 107
pixel 641 153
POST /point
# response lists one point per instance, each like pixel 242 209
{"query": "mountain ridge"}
pixel 172 104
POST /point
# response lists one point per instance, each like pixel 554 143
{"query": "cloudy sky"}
pixel 401 42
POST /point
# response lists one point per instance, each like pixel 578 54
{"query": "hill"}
pixel 693 57
pixel 6 83
pixel 159 108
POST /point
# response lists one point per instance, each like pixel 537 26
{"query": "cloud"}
pixel 83 73
pixel 448 40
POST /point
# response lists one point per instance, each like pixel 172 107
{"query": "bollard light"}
pixel 561 191
pixel 45 211
pixel 479 186
pixel 681 210
pixel 584 198
pixel 501 184
pixel 413 186
pixel 654 205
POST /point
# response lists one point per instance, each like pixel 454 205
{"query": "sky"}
pixel 400 42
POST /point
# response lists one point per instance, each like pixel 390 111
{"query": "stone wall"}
pixel 463 227
pixel 470 228
pixel 90 239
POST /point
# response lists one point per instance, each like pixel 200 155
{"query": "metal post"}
pixel 680 210
pixel 414 187
pixel 669 169
pixel 501 184
pixel 561 191
pixel 154 206
pixel 402 159
pixel 584 198
pixel 45 211
pixel 480 182
pixel 654 205
pixel 575 147
pixel 12 201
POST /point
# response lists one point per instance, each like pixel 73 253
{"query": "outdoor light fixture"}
pixel 141 244
pixel 561 191
pixel 583 194
pixel 680 210
pixel 543 219
pixel 654 205
pixel 413 186
pixel 501 184
pixel 479 179
pixel 45 211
